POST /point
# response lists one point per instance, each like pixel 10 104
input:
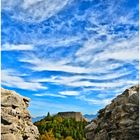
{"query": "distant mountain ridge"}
pixel 90 116
pixel 35 119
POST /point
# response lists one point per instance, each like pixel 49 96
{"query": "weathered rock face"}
pixel 16 121
pixel 118 120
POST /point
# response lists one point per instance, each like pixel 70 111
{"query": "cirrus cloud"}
pixel 11 78
pixel 33 10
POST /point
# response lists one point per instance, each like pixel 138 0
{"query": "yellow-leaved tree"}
pixel 69 138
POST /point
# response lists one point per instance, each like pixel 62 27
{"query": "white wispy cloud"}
pixel 109 49
pixel 97 43
pixel 18 47
pixel 34 11
pixel 103 91
pixel 9 79
pixel 96 55
pixel 106 81
pixel 44 64
pixel 110 84
pixel 95 101
pixel 49 94
pixel 66 65
pixel 69 93
pixel 125 50
pixel 58 42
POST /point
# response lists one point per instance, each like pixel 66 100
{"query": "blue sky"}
pixel 70 55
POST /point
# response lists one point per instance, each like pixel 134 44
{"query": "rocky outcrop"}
pixel 118 120
pixel 16 121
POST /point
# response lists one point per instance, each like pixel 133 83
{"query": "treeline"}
pixel 58 128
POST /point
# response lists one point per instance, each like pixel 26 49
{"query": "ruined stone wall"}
pixel 75 115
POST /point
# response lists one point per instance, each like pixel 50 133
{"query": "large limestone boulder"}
pixel 118 120
pixel 16 121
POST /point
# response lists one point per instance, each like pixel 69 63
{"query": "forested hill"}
pixel 59 128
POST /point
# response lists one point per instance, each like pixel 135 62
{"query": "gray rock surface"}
pixel 16 121
pixel 118 120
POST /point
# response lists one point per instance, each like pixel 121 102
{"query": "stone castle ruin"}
pixel 74 115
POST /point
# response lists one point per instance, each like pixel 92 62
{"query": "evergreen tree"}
pixel 48 115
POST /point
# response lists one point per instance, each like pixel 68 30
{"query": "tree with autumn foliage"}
pixel 58 128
